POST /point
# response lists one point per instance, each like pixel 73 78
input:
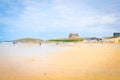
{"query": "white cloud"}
pixel 80 15
pixel 37 17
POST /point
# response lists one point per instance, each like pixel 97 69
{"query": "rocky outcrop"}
pixel 28 40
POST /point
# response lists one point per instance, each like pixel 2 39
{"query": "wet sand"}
pixel 81 62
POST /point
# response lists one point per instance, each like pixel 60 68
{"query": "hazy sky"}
pixel 57 18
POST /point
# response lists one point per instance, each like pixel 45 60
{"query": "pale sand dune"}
pixel 83 62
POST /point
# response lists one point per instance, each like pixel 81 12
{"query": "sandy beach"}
pixel 60 62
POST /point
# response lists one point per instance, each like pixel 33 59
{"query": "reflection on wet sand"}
pixel 81 62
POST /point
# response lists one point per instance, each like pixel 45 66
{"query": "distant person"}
pixel 14 42
pixel 57 43
pixel 40 44
pixel 98 39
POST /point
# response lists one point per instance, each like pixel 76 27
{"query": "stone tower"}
pixel 73 35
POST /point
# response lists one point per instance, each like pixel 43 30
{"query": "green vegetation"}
pixel 111 37
pixel 67 40
pixel 118 41
pixel 28 40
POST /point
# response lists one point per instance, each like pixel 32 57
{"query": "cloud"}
pixel 35 17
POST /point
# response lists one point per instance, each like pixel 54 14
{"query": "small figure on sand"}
pixel 40 44
pixel 14 42
pixel 57 43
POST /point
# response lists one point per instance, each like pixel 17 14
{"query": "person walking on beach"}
pixel 14 42
pixel 40 44
pixel 57 43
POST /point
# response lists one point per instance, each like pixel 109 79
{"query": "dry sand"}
pixel 81 62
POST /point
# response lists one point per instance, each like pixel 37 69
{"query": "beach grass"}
pixel 111 37
pixel 67 40
pixel 118 41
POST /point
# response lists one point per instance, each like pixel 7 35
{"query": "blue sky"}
pixel 57 18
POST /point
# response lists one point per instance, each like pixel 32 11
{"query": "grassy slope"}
pixel 119 41
pixel 67 40
pixel 28 40
pixel 110 37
